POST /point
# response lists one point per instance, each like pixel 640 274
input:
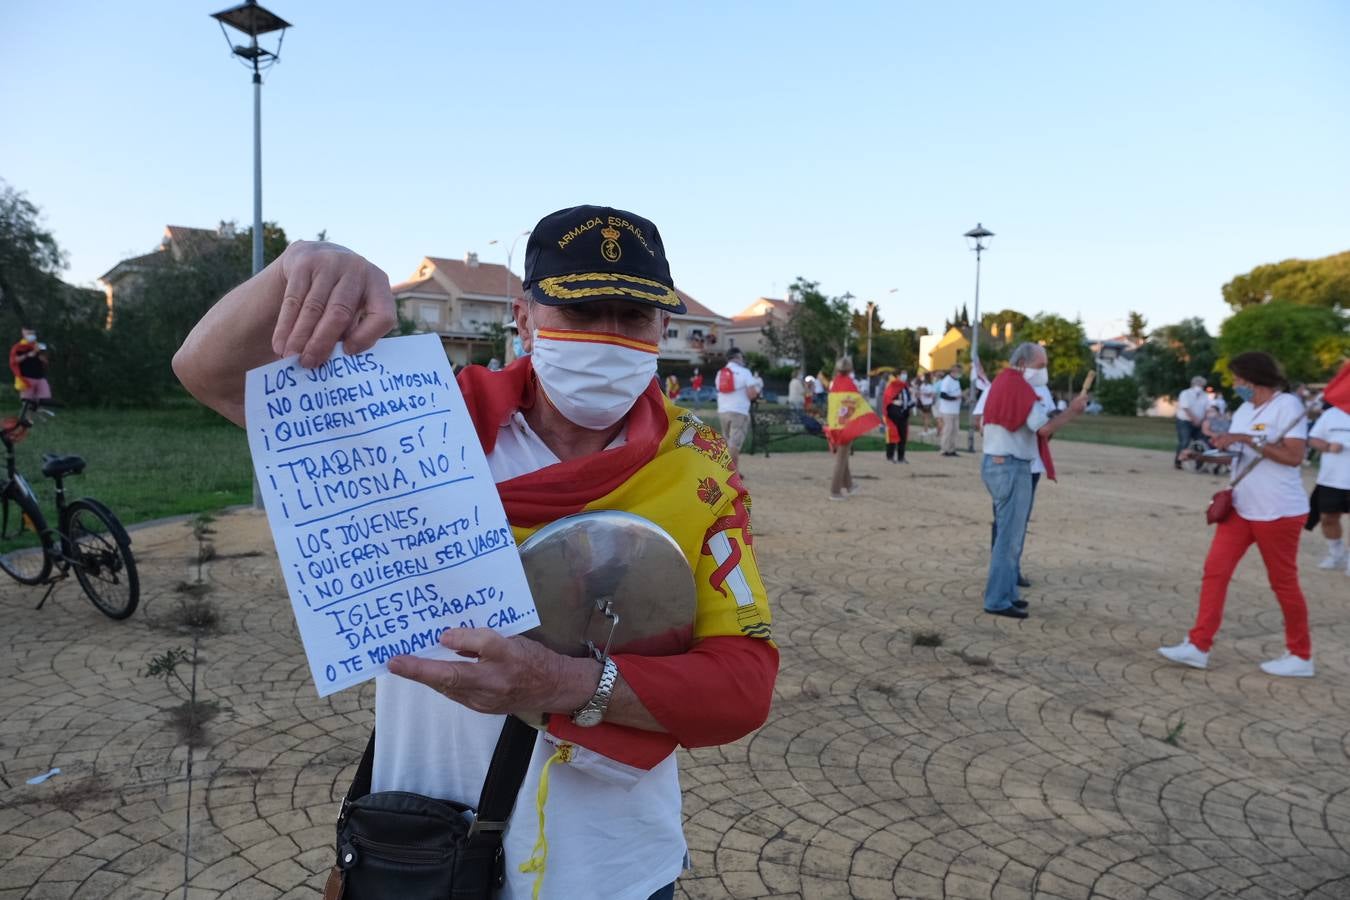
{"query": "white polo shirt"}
pixel 951 387
pixel 737 401
pixel 1194 401
pixel 1333 426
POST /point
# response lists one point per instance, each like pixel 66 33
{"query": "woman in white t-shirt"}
pixel 1267 435
pixel 1331 436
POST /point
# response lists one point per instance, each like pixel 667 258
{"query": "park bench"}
pixel 777 423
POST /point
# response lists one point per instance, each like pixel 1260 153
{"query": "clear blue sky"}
pixel 1128 156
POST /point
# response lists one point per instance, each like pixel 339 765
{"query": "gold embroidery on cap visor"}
pixel 609 284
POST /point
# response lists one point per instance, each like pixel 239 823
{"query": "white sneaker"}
pixel 1289 666
pixel 839 497
pixel 1187 654
pixel 1335 560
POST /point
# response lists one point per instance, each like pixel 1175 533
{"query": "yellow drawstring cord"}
pixel 539 855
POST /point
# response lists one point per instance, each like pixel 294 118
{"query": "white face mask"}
pixel 592 378
pixel 1037 377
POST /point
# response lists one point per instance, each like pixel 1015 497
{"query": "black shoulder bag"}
pixel 397 844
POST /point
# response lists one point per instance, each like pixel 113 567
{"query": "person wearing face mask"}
pixel 1268 435
pixel 579 423
pixel 28 362
pixel 1017 430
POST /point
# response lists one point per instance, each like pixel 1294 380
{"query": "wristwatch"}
pixel 1258 441
pixel 593 712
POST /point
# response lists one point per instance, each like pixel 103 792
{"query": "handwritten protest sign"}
pixel 386 519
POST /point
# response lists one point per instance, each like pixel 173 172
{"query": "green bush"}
pixel 1119 396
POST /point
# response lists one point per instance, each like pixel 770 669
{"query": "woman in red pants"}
pixel 1269 507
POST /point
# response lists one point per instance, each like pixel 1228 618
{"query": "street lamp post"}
pixel 510 252
pixel 253 20
pixel 870 307
pixel 978 238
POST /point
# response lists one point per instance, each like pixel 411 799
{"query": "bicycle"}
pixel 88 541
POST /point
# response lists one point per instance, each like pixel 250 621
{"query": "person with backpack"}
pixel 737 386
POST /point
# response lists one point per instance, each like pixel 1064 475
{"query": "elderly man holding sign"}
pixel 578 425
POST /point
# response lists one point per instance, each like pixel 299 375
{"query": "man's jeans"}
pixel 1008 480
pixel 1186 434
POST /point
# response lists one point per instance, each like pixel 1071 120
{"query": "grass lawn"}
pixel 143 464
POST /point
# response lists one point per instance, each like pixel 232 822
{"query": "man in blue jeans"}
pixel 1017 430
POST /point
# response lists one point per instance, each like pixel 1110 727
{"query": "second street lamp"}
pixel 978 238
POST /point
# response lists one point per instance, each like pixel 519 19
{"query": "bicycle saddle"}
pixel 55 465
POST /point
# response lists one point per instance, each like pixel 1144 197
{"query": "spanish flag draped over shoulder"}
pixel 676 471
pixel 850 416
pixel 1337 393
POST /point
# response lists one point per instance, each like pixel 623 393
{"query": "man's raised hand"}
pixel 332 295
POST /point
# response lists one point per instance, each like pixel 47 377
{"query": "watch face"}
pixel 588 718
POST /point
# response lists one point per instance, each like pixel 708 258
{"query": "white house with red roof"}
pixel 180 244
pixel 465 302
pixel 746 330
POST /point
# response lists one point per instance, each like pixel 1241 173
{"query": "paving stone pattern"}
pixel 1016 759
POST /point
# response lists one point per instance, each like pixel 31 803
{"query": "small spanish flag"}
pixel 1338 391
pixel 849 416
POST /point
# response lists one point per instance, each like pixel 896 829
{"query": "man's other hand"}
pixel 332 295
pixel 1078 404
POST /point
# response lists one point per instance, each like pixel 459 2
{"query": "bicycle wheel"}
pixel 24 541
pixel 100 554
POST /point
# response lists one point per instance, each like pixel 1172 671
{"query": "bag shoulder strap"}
pixel 1260 459
pixel 510 760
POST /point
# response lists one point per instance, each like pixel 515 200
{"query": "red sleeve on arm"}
pixel 716 693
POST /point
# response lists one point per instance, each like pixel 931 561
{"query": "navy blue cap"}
pixel 598 253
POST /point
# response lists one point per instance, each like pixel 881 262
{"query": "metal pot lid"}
pixel 580 565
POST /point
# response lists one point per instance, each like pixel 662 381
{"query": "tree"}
pixel 1118 396
pixel 1065 344
pixel 1137 327
pixel 1306 282
pixel 1173 355
pixel 152 322
pixel 817 331
pixel 1309 341
pixel 29 256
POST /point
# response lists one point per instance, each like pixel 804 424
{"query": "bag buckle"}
pixel 481 825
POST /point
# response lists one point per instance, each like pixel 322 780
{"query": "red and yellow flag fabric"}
pixel 20 383
pixel 850 416
pixel 1338 391
pixel 675 471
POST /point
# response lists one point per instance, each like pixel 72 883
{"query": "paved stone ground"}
pixel 1016 759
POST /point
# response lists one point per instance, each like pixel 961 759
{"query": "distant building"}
pixel 746 330
pixel 465 301
pixel 1114 357
pixel 180 244
pixel 939 351
pixel 697 334
pixel 462 301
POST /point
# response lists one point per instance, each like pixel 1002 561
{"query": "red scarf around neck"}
pixel 564 488
pixel 1010 401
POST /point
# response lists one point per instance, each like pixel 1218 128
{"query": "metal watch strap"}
pixel 594 709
